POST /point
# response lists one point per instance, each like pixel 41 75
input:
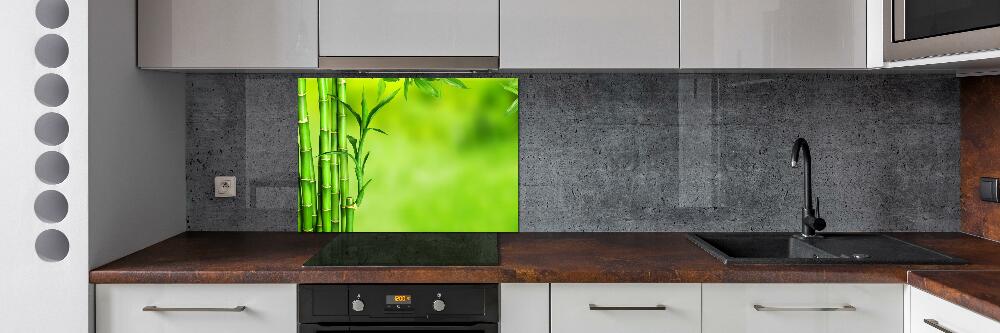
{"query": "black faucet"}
pixel 810 221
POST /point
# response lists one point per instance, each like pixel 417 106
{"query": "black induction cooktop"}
pixel 409 249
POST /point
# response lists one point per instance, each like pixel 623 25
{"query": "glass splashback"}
pixel 407 154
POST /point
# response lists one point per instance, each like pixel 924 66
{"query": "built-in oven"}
pixel 928 28
pixel 388 308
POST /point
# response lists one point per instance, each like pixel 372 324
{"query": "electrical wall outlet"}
pixel 225 187
pixel 988 189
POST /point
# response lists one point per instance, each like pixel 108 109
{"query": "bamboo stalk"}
pixel 307 183
pixel 325 158
pixel 349 214
pixel 299 204
pixel 336 224
pixel 342 147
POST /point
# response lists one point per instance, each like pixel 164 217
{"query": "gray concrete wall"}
pixel 640 152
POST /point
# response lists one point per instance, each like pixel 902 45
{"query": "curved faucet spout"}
pixel 810 222
pixel 807 188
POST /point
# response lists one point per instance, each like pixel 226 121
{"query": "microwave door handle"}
pixel 898 18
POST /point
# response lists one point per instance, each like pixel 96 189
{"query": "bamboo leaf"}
pixel 427 88
pixel 512 108
pixel 364 107
pixel 364 162
pixel 380 105
pixel 381 88
pixel 511 87
pixel 455 82
pixel 354 144
pixel 390 79
pixel 379 130
pixel 339 152
pixel 406 89
pixel 361 191
pixel 351 110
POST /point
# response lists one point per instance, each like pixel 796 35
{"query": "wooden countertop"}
pixel 267 257
pixel 978 291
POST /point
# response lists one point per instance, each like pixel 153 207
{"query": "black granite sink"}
pixel 833 248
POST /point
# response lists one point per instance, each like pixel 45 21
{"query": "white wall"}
pixel 124 187
pixel 38 295
pixel 137 186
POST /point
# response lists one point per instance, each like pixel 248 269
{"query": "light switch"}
pixel 988 189
pixel 225 187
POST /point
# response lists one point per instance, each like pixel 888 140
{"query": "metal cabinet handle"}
pixel 935 324
pixel 657 307
pixel 240 308
pixel 759 307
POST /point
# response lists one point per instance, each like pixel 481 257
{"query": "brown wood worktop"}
pixel 267 257
pixel 978 291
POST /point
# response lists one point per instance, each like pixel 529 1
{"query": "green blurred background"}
pixel 448 163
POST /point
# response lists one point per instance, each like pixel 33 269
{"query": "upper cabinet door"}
pixel 774 34
pixel 589 34
pixel 180 34
pixel 409 28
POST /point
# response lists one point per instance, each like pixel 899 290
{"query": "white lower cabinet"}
pixel 195 308
pixel 802 308
pixel 625 308
pixel 524 308
pixel 930 314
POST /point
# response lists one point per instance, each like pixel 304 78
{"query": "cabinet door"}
pixel 227 33
pixel 568 34
pixel 773 34
pixel 409 28
pixel 802 308
pixel 625 307
pixel 192 308
pixel 524 308
pixel 930 314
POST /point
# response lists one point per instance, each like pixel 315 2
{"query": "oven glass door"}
pixel 929 18
pixel 477 328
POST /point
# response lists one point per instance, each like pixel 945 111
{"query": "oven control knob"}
pixel 358 305
pixel 438 305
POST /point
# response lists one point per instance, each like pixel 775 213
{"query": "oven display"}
pixel 398 299
pixel 398 302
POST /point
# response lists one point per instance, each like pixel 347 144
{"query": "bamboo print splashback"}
pixel 408 154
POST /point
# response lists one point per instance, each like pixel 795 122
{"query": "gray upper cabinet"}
pixel 409 28
pixel 589 34
pixel 192 34
pixel 774 34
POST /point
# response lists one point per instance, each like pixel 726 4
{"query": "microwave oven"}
pixel 915 29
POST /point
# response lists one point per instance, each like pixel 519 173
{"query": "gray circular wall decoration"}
pixel 52 13
pixel 51 129
pixel 52 167
pixel 52 245
pixel 51 90
pixel 51 51
pixel 51 206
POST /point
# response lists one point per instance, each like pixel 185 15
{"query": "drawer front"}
pixel 656 308
pixel 802 308
pixel 269 308
pixel 946 315
pixel 408 28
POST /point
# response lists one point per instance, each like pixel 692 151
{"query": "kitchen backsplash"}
pixel 639 152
